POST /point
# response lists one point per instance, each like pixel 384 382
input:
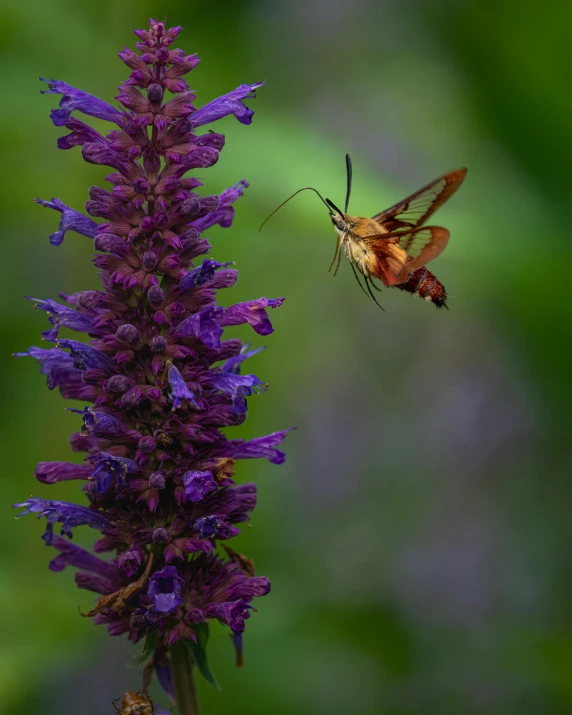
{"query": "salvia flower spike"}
pixel 157 378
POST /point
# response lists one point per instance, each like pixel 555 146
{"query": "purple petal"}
pixel 200 157
pixel 250 588
pixel 239 387
pixel 73 555
pixel 102 154
pixel 207 526
pixel 80 134
pixel 60 315
pixel 91 582
pixel 85 356
pixel 71 220
pixel 165 589
pixel 230 103
pixel 224 214
pixel 258 447
pixel 76 99
pixel 198 485
pixel 57 365
pixel 108 467
pixel 204 325
pixel 233 613
pixel 253 312
pixel 130 561
pixel 53 472
pixel 98 424
pixel 179 390
pixel 69 515
pixel 201 274
pixel 236 503
pixel 233 364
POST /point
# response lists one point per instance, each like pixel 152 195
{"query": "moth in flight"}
pixel 395 245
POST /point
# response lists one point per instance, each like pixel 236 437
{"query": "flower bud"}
pixel 161 536
pixel 157 480
pixel 118 383
pixel 148 261
pixel 155 296
pixel 158 344
pixel 147 444
pixel 155 93
pixel 128 334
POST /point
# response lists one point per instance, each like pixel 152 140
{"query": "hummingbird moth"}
pixel 395 245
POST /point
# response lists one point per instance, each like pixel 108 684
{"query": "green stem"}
pixel 185 689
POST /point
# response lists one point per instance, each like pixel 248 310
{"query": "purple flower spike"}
pixel 160 384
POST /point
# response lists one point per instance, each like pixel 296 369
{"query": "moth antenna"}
pixel 348 181
pixel 306 188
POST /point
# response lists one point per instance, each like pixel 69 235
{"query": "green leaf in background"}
pixel 199 653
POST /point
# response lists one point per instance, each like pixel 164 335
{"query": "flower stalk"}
pixel 185 686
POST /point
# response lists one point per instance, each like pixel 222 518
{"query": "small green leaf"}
pixel 199 654
pixel 151 643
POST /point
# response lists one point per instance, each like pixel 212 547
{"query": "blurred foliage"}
pixel 417 536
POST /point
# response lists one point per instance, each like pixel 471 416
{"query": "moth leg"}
pixel 368 284
pixel 338 246
pixel 356 277
pixel 339 261
pixel 373 284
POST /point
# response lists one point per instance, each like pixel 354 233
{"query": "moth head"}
pixel 339 221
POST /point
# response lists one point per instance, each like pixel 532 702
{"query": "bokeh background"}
pixel 418 537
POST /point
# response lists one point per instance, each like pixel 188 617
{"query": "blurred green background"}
pixel 418 537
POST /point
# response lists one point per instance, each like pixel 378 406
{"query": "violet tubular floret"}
pixel 158 381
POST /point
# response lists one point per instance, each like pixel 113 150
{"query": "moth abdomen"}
pixel 427 286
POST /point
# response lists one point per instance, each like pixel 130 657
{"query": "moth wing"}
pixel 415 248
pixel 388 264
pixel 417 208
pixel 423 245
